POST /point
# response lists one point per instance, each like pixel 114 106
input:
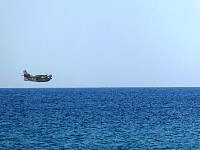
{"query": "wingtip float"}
pixel 36 78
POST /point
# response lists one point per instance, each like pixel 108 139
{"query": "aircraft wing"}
pixel 39 76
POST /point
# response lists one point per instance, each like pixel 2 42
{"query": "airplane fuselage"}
pixel 36 78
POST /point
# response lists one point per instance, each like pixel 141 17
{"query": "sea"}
pixel 100 118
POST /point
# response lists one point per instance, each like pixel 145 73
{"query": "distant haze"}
pixel 100 43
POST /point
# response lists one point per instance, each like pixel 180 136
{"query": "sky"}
pixel 100 43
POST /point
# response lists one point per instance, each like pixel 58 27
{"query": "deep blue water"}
pixel 95 118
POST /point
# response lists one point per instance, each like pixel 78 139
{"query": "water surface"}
pixel 100 118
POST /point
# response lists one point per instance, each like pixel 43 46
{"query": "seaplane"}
pixel 36 78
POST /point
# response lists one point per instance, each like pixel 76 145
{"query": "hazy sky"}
pixel 100 43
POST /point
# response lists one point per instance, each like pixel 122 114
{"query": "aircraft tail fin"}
pixel 26 75
pixel 25 72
